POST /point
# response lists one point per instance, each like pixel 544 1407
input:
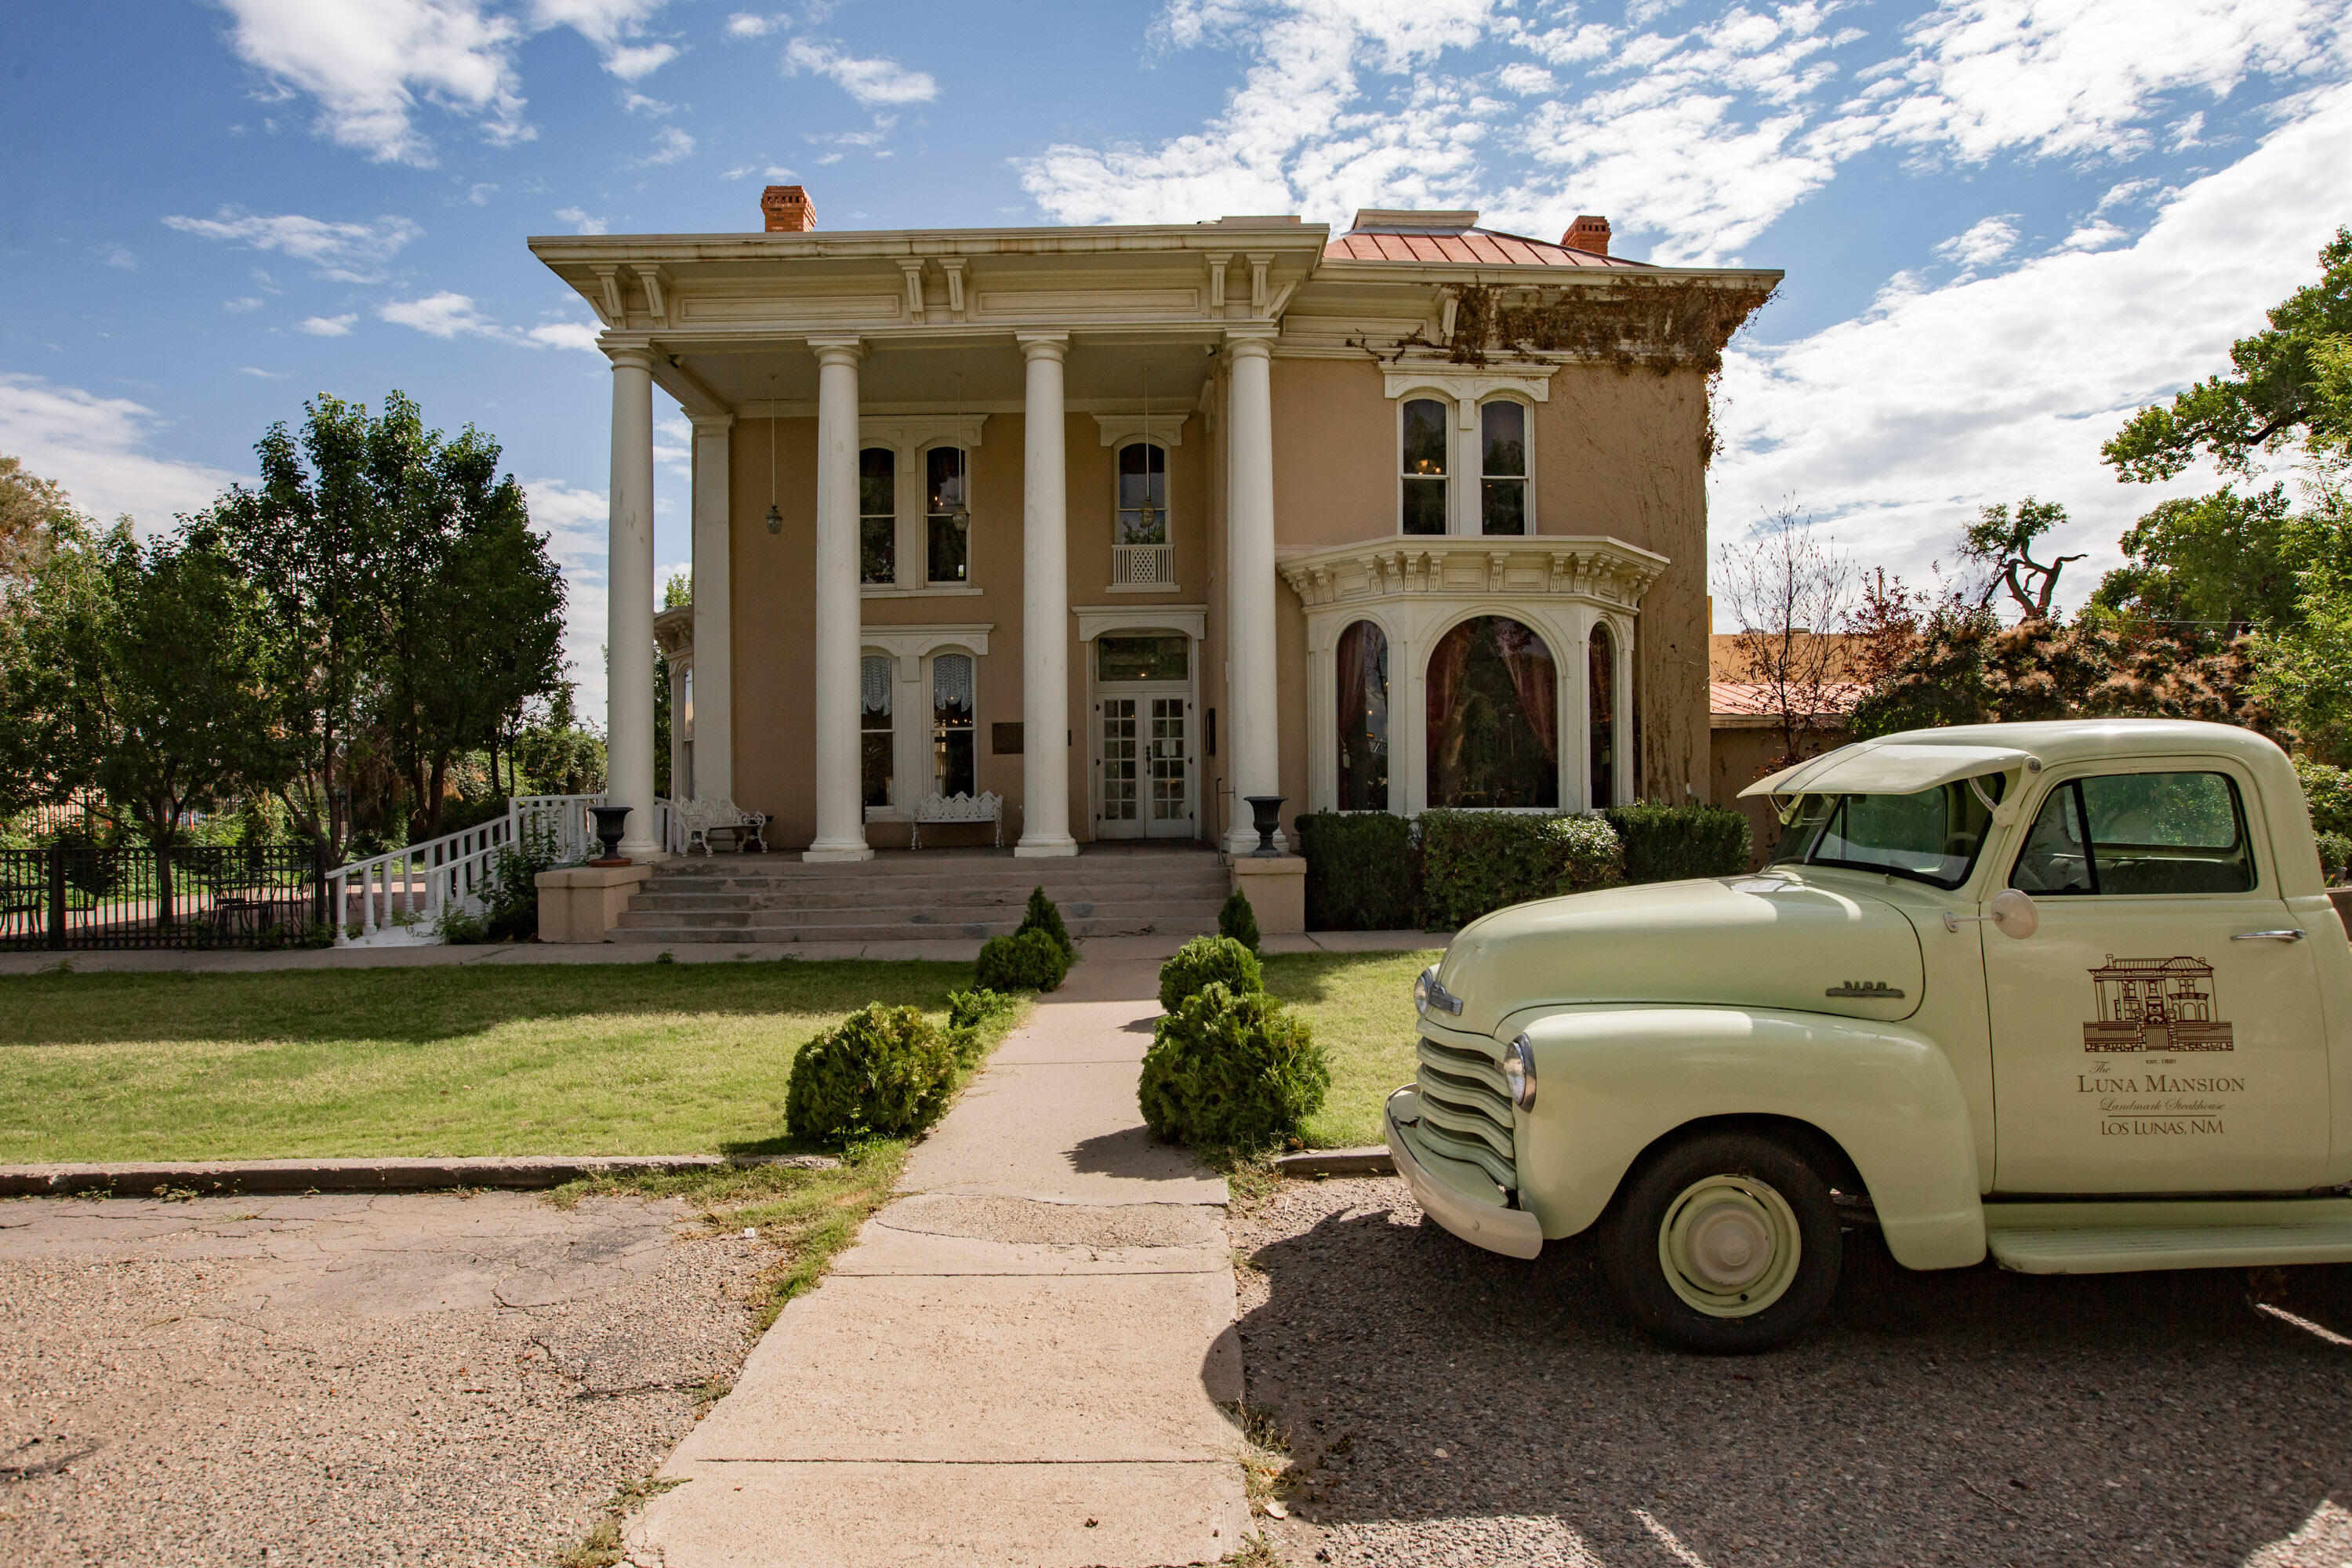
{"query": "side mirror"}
pixel 2014 914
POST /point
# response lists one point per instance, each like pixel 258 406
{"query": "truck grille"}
pixel 1465 1109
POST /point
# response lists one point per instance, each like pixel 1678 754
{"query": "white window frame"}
pixel 922 517
pixel 1468 392
pixel 931 710
pixel 911 649
pixel 1453 463
pixel 1476 520
pixel 910 436
pixel 898 513
pixel 1166 431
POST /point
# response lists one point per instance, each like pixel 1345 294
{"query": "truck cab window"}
pixel 1932 836
pixel 2137 835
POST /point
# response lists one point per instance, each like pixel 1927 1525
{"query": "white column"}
pixel 1621 644
pixel 840 814
pixel 1044 607
pixel 714 609
pixel 1255 750
pixel 629 604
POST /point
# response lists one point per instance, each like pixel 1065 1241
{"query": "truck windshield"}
pixel 1932 836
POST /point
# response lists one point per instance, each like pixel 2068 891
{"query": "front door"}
pixel 2146 1038
pixel 1145 773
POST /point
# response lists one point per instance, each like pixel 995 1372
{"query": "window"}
pixel 1503 466
pixel 1139 555
pixel 1142 657
pixel 878 515
pixel 2139 834
pixel 1493 715
pixel 1601 695
pixel 947 507
pixel 1363 718
pixel 953 741
pixel 1423 479
pixel 874 740
pixel 1931 837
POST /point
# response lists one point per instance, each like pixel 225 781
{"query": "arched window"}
pixel 1494 717
pixel 878 515
pixel 875 759
pixel 952 736
pixel 1503 466
pixel 1422 458
pixel 1601 695
pixel 1139 554
pixel 1363 718
pixel 947 507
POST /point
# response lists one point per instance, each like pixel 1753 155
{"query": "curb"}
pixel 1373 1161
pixel 523 1173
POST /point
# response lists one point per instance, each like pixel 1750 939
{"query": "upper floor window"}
pixel 878 515
pixel 1503 466
pixel 947 507
pixel 1140 552
pixel 1422 455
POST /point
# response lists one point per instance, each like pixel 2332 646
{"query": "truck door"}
pixel 2151 1037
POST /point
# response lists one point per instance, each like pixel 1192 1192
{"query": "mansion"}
pixel 1126 525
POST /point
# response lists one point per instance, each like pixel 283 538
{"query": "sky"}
pixel 2006 224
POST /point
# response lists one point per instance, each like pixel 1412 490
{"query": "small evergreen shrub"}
pixel 880 1072
pixel 1208 961
pixel 2335 856
pixel 1676 843
pixel 1238 920
pixel 1043 916
pixel 970 1012
pixel 2329 792
pixel 1363 871
pixel 1232 1070
pixel 1476 862
pixel 1026 961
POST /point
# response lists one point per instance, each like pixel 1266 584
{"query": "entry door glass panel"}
pixel 1172 800
pixel 1121 753
pixel 2137 1048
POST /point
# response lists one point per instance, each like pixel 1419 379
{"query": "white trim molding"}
pixel 1168 430
pixel 910 650
pixel 1094 620
pixel 913 432
pixel 1533 382
pixel 1416 590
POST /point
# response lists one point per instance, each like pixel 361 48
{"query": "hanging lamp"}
pixel 1148 513
pixel 775 519
pixel 961 516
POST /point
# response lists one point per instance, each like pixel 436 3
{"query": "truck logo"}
pixel 1867 990
pixel 2155 1004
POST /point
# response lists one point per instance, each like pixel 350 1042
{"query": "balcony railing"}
pixel 1142 566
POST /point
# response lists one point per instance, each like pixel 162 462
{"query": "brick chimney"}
pixel 1588 234
pixel 788 211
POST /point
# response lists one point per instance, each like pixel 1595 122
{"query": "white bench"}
pixel 701 819
pixel 960 808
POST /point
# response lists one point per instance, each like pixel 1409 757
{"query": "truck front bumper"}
pixel 1458 1196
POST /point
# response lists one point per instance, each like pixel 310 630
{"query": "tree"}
pixel 1791 591
pixel 31 509
pixel 2225 561
pixel 2001 545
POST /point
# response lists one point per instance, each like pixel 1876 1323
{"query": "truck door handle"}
pixel 2293 935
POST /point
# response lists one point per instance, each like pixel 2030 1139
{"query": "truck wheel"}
pixel 1724 1242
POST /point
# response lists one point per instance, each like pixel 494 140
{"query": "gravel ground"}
pixel 419 1379
pixel 1448 1406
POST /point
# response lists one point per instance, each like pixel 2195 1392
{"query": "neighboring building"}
pixel 1746 739
pixel 1127 524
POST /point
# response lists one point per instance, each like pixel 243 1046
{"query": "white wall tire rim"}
pixel 1729 1245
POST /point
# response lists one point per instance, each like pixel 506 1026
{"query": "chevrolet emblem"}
pixel 1868 990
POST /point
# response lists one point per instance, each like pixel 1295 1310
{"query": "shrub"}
pixel 1043 916
pixel 1205 961
pixel 2329 792
pixel 1238 920
pixel 2334 854
pixel 969 1012
pixel 880 1072
pixel 1231 1070
pixel 1026 961
pixel 1676 843
pixel 1363 872
pixel 1476 862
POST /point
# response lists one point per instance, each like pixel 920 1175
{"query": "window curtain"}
pixel 1492 718
pixel 1528 661
pixel 1363 718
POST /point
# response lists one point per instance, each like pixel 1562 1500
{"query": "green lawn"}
pixel 1361 1007
pixel 602 1059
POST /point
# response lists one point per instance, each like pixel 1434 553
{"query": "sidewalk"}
pixel 1021 1362
pixel 953 951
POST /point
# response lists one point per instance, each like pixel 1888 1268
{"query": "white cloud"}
pixel 119 256
pixel 1987 239
pixel 670 147
pixel 99 449
pixel 768 171
pixel 576 523
pixel 239 306
pixel 445 315
pixel 744 25
pixel 1895 426
pixel 869 82
pixel 264 375
pixel 351 252
pixel 326 326
pixel 580 221
pixel 564 335
pixel 612 25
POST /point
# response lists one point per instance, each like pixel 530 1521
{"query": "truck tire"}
pixel 1723 1242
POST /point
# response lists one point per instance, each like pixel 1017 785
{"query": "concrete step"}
pixel 1057 886
pixel 768 935
pixel 740 919
pixel 923 866
pixel 980 900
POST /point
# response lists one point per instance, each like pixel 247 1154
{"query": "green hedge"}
pixel 1476 862
pixel 1205 961
pixel 1026 961
pixel 1228 1070
pixel 880 1072
pixel 1676 843
pixel 1364 871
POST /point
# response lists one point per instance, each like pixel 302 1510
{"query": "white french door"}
pixel 1144 768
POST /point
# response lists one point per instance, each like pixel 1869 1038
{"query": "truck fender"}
pixel 1611 1081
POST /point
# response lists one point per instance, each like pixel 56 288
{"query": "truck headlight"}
pixel 1427 993
pixel 1519 1071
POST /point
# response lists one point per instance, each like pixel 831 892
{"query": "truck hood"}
pixel 1749 942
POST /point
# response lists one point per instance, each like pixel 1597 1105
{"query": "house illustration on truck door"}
pixel 2155 1004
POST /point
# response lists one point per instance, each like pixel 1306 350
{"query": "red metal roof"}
pixel 1475 246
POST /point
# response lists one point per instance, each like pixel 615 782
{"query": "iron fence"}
pixel 230 896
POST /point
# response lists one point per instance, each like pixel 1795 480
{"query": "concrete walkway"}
pixel 1022 1361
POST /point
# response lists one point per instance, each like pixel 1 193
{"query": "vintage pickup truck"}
pixel 2071 992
